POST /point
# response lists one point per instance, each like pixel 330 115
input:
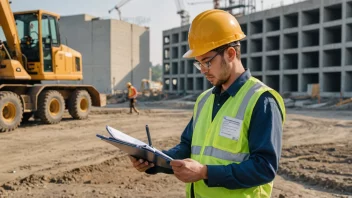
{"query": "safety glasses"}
pixel 207 64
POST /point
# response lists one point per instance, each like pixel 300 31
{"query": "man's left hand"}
pixel 189 170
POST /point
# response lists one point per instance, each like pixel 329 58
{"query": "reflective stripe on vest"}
pixel 215 152
pixel 196 150
pixel 243 106
pixel 200 106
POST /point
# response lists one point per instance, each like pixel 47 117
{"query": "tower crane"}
pixel 118 6
pixel 182 12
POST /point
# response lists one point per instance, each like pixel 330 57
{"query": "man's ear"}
pixel 231 53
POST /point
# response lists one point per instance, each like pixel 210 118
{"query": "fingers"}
pixel 140 164
pixel 133 159
pixel 177 163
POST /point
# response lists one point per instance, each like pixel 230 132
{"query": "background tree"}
pixel 156 72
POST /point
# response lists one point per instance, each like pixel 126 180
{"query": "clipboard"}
pixel 136 148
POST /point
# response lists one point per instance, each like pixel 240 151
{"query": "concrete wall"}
pixel 129 54
pixel 301 44
pixel 287 48
pixel 91 38
pixel 113 51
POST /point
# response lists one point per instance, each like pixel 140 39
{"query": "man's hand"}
pixel 140 164
pixel 189 170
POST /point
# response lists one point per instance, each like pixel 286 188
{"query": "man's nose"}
pixel 203 70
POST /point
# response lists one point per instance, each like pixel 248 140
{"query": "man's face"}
pixel 219 71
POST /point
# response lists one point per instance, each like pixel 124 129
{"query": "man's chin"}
pixel 211 81
pixel 216 84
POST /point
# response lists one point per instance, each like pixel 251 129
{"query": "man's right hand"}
pixel 140 164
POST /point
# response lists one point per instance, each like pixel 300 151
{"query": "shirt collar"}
pixel 235 86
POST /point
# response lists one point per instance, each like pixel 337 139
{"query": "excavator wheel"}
pixel 51 107
pixel 11 111
pixel 80 104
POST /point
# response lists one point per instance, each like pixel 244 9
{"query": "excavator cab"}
pixel 38 34
pixel 28 32
pixel 32 50
pixel 45 56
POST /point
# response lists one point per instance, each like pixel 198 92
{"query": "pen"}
pixel 148 134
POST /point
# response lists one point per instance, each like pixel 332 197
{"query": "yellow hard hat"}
pixel 211 29
pixel 128 84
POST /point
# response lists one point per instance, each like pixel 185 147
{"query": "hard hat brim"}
pixel 192 54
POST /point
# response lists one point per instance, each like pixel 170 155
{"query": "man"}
pixel 132 95
pixel 232 145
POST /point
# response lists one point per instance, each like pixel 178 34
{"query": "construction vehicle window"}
pixel 2 35
pixel 20 29
pixel 27 27
pixel 53 31
pixel 45 29
pixel 2 39
pixel 28 33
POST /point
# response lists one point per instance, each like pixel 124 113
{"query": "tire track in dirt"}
pixel 301 130
pixel 82 166
pixel 116 172
pixel 325 166
pixel 64 141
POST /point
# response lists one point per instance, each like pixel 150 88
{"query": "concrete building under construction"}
pixel 114 52
pixel 288 48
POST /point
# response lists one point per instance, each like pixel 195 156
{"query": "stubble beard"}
pixel 224 74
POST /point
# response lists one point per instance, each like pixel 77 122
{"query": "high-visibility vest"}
pixel 224 140
pixel 132 92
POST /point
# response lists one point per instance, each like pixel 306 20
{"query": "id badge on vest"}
pixel 231 128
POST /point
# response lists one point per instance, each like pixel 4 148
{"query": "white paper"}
pixel 118 135
pixel 231 128
pixel 124 137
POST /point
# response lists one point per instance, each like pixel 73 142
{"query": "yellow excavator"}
pixel 151 88
pixel 31 54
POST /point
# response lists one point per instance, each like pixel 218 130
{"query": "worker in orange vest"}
pixel 132 95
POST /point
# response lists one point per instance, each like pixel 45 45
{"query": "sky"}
pixel 159 15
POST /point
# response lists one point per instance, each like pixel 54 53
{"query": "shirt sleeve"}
pixel 265 143
pixel 180 151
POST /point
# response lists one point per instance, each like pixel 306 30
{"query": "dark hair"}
pixel 235 44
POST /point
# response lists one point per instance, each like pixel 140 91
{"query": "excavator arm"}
pixel 8 24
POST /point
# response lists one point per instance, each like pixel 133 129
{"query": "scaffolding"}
pixel 235 7
pixel 240 7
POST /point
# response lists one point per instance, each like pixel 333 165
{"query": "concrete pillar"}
pixel 300 44
pixel 321 41
pixel 343 50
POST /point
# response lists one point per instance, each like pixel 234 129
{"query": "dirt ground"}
pixel 68 160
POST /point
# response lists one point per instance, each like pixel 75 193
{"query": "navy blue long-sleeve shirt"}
pixel 264 139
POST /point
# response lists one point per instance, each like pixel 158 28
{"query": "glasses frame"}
pixel 199 65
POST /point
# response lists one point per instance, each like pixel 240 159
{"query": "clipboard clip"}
pixel 148 135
